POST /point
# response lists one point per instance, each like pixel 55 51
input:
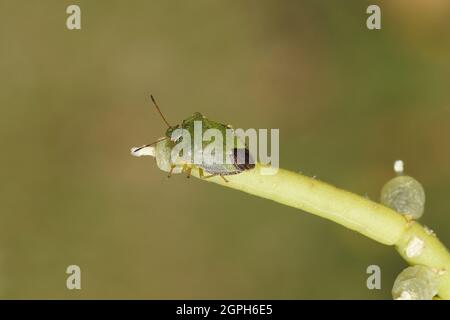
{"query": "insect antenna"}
pixel 159 110
pixel 150 144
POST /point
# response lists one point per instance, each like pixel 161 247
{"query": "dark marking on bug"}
pixel 242 159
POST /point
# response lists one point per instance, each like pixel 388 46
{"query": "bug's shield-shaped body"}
pixel 235 157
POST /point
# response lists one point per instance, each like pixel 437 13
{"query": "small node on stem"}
pixel 415 247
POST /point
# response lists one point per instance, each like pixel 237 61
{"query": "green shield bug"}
pixel 235 155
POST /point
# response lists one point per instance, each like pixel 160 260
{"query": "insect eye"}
pixel 174 135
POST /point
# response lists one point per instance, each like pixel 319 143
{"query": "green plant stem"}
pixel 357 213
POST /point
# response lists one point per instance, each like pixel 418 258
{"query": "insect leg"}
pixel 210 176
pixel 171 170
pixel 202 176
pixel 188 172
pixel 187 169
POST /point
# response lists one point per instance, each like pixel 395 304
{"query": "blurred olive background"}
pixel 348 102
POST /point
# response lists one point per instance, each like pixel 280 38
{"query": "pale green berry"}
pixel 415 283
pixel 405 195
